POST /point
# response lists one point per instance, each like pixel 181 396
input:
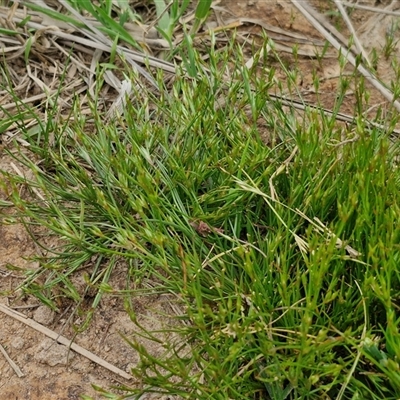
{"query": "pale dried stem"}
pixel 318 22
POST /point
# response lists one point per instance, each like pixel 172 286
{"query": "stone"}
pixel 44 315
pixel 51 353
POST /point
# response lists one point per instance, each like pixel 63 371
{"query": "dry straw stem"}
pixel 326 29
pixel 14 366
pixel 97 40
pixel 346 19
pixel 298 105
pixel 53 38
pixel 63 340
pixel 306 44
pixel 52 35
pixel 374 9
pixel 53 42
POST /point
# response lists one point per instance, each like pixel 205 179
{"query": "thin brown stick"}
pixel 12 363
pixel 313 17
pixel 357 42
pixel 63 340
pixel 372 9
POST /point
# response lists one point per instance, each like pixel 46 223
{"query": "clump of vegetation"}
pixel 279 241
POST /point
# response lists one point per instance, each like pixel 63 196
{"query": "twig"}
pixel 63 340
pixel 298 105
pixel 358 44
pixel 312 17
pixel 372 9
pixel 12 363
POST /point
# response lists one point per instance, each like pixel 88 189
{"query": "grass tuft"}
pixel 281 246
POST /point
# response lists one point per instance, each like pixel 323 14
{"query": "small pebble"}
pixel 18 343
pixel 44 315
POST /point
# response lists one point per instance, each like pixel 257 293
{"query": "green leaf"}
pixel 54 14
pixel 202 9
pixel 27 51
pixel 164 20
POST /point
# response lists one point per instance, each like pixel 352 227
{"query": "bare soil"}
pixel 53 372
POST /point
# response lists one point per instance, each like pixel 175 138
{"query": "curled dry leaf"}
pixel 203 229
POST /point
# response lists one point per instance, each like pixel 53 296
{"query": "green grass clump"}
pixel 283 253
